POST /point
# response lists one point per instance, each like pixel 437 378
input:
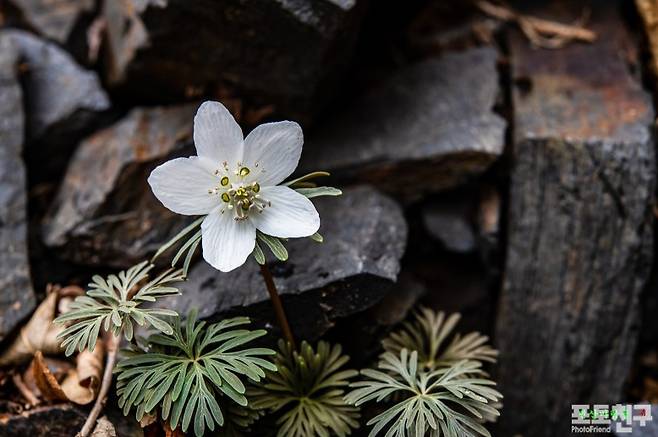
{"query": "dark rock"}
pixel 53 19
pixel 18 298
pixel 364 238
pixel 580 226
pixel 455 283
pixel 284 53
pixel 59 93
pixel 105 212
pixel 62 420
pixel 63 102
pixel 428 128
pixel 65 420
pixel 361 334
pixel 450 224
pixel 442 26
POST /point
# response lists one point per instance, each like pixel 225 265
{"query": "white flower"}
pixel 234 181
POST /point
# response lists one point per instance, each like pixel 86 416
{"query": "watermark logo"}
pixel 604 418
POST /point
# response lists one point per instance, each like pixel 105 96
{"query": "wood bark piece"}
pixel 429 127
pixel 62 420
pixel 17 298
pixel 579 232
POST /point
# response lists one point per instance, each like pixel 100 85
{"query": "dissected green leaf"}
pixel 431 381
pixel 447 402
pixel 428 334
pixel 307 392
pixel 194 374
pixel 113 303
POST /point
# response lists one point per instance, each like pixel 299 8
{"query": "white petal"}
pixel 217 135
pixel 276 147
pixel 226 242
pixel 182 186
pixel 291 215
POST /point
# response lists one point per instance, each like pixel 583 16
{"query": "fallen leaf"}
pixel 39 334
pixel 80 385
pixel 58 368
pixel 46 381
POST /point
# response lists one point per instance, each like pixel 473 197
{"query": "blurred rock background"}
pixel 482 174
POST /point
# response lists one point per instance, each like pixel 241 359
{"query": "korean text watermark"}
pixel 600 418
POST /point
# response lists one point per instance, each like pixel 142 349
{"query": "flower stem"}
pixel 110 360
pixel 278 305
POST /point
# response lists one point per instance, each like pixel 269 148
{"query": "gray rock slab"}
pixel 17 298
pixel 105 212
pixel 286 53
pixel 429 127
pixel 364 238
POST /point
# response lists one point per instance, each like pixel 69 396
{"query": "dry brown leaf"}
pixel 46 381
pixel 80 385
pixel 58 368
pixel 39 334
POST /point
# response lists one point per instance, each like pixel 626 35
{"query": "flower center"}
pixel 237 195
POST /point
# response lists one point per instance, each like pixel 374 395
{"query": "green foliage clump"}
pixel 189 373
pixel 308 392
pixel 428 334
pixel 435 402
pixel 113 304
pixel 429 385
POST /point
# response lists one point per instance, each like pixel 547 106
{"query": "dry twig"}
pixel 112 346
pixel 542 33
pixel 24 390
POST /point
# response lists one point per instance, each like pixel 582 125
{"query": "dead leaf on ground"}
pixel 39 334
pixel 80 385
pixel 46 382
pixel 58 367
